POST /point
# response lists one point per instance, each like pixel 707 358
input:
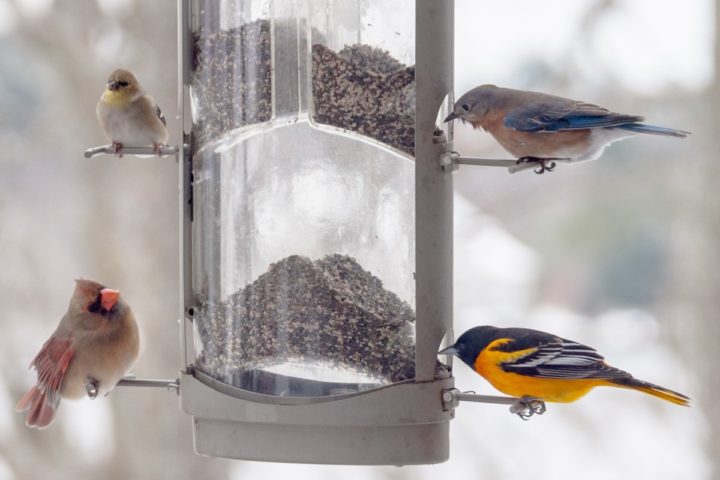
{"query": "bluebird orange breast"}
pixel 563 144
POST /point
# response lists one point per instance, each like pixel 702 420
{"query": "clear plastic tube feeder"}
pixel 317 229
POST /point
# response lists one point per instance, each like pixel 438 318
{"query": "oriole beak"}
pixel 451 350
pixel 452 116
pixel 108 298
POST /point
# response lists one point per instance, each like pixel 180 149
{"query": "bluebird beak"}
pixel 452 116
pixel 448 351
pixel 113 86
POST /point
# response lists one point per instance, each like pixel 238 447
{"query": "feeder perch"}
pixel 451 161
pixel 164 151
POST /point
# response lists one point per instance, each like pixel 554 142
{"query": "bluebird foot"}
pixel 544 164
pixel 92 387
pixel 526 407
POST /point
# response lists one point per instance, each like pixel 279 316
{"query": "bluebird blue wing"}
pixel 555 115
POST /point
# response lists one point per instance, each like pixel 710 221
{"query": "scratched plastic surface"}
pixel 303 233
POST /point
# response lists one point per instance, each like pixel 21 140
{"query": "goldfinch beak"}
pixel 112 86
pixel 448 351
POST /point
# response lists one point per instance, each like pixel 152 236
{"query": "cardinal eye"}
pixel 95 306
pixel 465 107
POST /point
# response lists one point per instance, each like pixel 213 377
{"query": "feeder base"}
pixel 400 424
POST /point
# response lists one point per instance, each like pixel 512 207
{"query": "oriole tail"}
pixel 652 389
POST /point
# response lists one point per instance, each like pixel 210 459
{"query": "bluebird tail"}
pixel 653 130
pixel 651 389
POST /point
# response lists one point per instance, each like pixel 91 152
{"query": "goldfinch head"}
pixel 122 84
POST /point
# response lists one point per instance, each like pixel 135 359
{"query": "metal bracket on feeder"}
pixel 452 397
pixel 131 381
pixel 524 407
pixel 164 151
pixel 451 161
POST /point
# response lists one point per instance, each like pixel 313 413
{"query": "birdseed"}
pixel 231 79
pixel 360 88
pixel 330 311
pixel 364 89
pixel 325 312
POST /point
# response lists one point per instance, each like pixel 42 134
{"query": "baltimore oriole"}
pixel 538 367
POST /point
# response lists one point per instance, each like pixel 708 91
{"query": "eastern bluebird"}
pixel 537 127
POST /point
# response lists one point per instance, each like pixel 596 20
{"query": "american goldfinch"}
pixel 129 116
pixel 92 348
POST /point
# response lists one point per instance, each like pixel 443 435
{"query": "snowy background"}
pixel 620 254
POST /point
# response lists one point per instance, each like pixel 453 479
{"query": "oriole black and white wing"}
pixel 548 356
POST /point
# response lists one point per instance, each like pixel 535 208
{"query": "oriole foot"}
pixel 526 407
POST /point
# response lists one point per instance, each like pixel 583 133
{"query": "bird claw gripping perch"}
pixel 118 149
pixel 544 164
pixel 92 387
pixel 526 407
pixel 157 148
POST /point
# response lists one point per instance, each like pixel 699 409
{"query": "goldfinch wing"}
pixel 150 107
pixel 160 115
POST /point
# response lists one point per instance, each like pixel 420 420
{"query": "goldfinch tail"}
pixel 652 389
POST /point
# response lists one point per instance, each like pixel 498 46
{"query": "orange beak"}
pixel 108 298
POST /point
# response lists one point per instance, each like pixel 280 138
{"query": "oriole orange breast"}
pixel 529 363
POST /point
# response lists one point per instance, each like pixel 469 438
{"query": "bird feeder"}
pixel 316 229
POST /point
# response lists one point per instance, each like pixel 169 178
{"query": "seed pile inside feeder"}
pixel 364 89
pixel 360 88
pixel 231 80
pixel 330 311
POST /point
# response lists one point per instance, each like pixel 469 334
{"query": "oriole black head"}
pixel 472 342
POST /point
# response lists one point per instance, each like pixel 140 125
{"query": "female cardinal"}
pixel 92 348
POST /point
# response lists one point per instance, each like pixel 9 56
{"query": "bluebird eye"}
pixel 465 107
